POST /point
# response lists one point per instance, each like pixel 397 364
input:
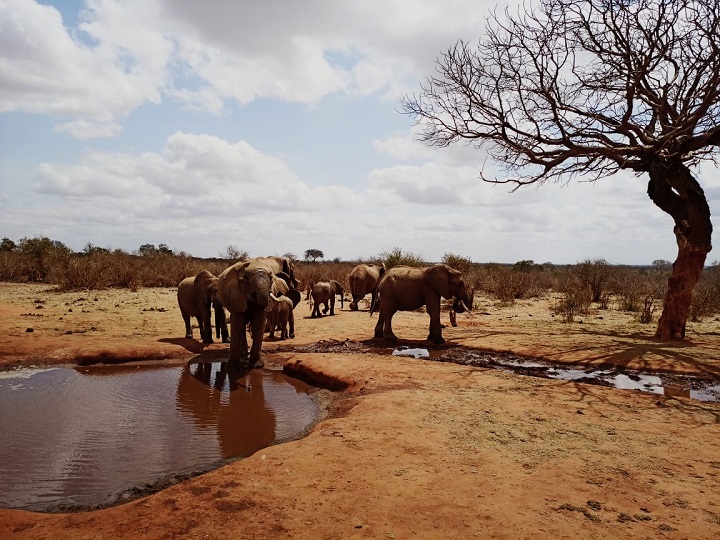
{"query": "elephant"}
pixel 405 288
pixel 195 297
pixel 283 301
pixel 324 292
pixel 284 265
pixel 280 315
pixel 363 280
pixel 244 289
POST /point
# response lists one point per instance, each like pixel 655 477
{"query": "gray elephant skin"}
pixel 196 296
pixel 284 265
pixel 363 280
pixel 405 288
pixel 283 301
pixel 323 292
pixel 280 316
pixel 244 289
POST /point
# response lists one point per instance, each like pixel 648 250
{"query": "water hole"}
pixel 81 437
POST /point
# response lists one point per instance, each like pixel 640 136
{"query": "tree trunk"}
pixel 674 190
pixel 686 273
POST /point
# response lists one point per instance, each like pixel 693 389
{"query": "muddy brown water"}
pixel 74 438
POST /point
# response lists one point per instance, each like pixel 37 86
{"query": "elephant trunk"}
pixel 260 284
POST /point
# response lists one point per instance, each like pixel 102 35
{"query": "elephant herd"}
pixel 261 294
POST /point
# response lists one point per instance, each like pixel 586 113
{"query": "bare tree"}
pixel 589 87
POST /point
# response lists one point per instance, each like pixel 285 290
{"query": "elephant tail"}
pixel 375 305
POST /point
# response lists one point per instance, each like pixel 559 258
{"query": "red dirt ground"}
pixel 412 448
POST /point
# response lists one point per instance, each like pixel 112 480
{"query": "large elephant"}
pixel 196 295
pixel 363 279
pixel 282 264
pixel 404 288
pixel 244 289
pixel 324 292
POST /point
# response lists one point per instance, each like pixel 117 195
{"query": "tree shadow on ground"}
pixel 614 349
pixel 648 353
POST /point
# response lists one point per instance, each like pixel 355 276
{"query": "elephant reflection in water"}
pixel 244 422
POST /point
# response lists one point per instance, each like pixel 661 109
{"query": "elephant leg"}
pixel 332 305
pixel 379 325
pixel 387 327
pixel 206 327
pixel 258 331
pixel 291 320
pixel 238 340
pixel 188 326
pixel 433 309
pixel 223 328
pixel 354 304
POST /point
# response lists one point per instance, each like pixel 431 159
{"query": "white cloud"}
pixel 205 54
pixel 46 69
pixel 193 175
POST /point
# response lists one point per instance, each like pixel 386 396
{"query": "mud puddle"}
pixel 702 389
pixel 87 437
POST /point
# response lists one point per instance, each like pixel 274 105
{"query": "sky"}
pixel 274 127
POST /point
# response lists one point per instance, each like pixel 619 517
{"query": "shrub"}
pixel 595 274
pixel 458 262
pixel 648 308
pixel 508 284
pixel 575 299
pixel 706 296
pixel 396 257
pixel 631 288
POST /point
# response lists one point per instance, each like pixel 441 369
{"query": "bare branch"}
pixel 582 87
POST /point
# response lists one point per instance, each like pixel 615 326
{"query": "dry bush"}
pixel 396 257
pixel 458 262
pixel 647 310
pixel 508 284
pixel 166 270
pixel 309 273
pixel 706 296
pixel 85 272
pixel 595 274
pixel 575 299
pixel 631 287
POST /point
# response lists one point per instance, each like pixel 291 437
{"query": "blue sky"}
pixel 273 127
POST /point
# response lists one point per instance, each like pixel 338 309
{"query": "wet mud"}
pixel 668 384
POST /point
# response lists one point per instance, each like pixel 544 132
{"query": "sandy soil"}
pixel 410 447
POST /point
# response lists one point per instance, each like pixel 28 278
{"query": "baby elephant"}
pixel 281 313
pixel 324 292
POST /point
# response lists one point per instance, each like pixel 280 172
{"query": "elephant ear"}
pixel 295 296
pixel 285 278
pixel 232 287
pixel 439 277
pixel 202 282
